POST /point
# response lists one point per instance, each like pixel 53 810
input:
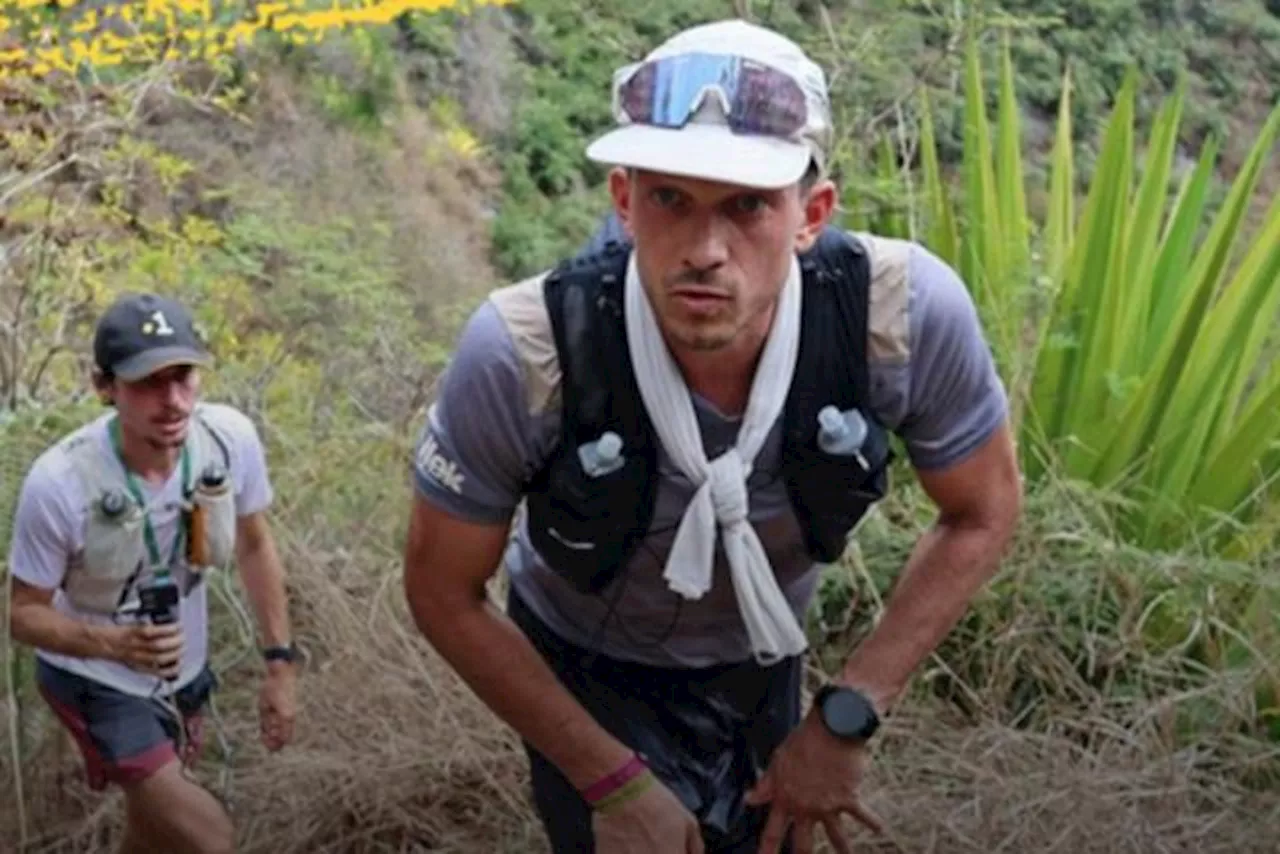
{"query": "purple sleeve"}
pixel 955 399
pixel 479 443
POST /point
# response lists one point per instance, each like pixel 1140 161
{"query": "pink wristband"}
pixel 611 782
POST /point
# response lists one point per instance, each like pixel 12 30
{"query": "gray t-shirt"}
pixel 496 420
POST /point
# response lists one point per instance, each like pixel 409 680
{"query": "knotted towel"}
pixel 721 494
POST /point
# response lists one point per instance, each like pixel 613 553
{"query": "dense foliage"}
pixel 881 54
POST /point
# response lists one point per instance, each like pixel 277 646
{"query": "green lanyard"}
pixel 153 545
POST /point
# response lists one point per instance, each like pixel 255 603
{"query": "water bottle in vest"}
pixel 212 483
pixel 602 456
pixel 113 504
pixel 842 433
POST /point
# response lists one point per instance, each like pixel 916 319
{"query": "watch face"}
pixel 848 714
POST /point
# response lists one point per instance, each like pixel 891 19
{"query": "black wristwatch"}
pixel 846 713
pixel 280 653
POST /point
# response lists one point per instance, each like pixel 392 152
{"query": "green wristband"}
pixel 632 789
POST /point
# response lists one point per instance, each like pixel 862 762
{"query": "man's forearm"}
pixel 948 566
pixel 502 667
pixel 43 627
pixel 263 577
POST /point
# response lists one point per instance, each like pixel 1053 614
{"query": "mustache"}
pixel 697 277
pixel 171 415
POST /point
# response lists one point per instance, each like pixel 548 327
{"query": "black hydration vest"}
pixel 586 528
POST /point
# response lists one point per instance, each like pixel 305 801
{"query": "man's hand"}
pixel 263 577
pixel 812 778
pixel 655 822
pixel 155 650
pixel 277 705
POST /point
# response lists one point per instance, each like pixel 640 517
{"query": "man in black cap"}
pixel 115 527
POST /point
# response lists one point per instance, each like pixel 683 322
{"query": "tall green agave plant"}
pixel 1135 335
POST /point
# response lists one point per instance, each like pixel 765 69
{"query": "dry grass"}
pixel 990 788
pixel 394 754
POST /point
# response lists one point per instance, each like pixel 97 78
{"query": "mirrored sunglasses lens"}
pixel 761 100
pixel 663 92
pixel 681 79
pixel 767 102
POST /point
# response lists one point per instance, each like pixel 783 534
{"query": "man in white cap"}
pixel 116 526
pixel 696 415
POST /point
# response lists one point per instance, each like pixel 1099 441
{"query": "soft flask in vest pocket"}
pixel 592 492
pixel 837 477
pixel 115 549
pixel 212 538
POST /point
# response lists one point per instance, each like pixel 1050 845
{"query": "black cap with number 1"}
pixel 140 334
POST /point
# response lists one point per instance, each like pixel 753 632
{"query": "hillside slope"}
pixel 337 211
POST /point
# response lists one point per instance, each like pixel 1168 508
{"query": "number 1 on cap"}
pixel 162 323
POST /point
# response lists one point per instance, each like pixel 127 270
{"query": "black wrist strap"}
pixel 280 653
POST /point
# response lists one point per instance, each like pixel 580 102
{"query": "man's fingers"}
pixel 802 836
pixel 693 839
pixel 165 645
pixel 761 792
pixel 152 633
pixel 170 653
pixel 835 834
pixel 167 663
pixel 282 729
pixel 270 733
pixel 864 816
pixel 774 830
pixel 277 727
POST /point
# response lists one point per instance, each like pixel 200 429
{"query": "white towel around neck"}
pixel 721 495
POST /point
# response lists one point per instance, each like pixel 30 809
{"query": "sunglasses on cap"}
pixel 756 98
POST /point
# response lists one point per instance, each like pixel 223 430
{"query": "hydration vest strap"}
pixel 831 366
pixel 575 517
pixel 153 545
pixel 598 387
pixel 587 527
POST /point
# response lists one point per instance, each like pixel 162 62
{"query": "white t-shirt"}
pixel 49 526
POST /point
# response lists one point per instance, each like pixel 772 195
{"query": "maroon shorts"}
pixel 124 738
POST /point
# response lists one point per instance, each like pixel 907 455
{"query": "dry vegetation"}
pixel 393 754
pixel 1051 721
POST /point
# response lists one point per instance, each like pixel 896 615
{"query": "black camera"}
pixel 158 601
